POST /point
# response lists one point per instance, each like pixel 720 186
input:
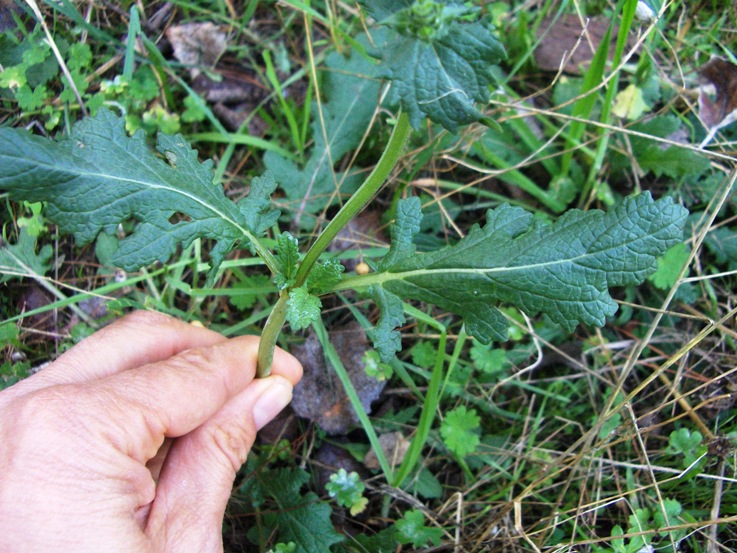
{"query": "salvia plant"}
pixel 437 58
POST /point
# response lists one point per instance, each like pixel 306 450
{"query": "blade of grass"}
pixel 584 106
pixel 429 402
pixel 332 357
pixel 628 16
pixel 286 109
pixel 134 28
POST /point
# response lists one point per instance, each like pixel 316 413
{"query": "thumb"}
pixel 197 477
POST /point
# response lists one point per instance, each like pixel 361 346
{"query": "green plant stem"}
pixel 356 203
pixel 269 335
pixel 360 198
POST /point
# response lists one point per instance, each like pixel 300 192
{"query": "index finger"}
pixel 139 338
pixel 172 397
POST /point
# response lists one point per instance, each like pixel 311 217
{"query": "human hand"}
pixel 131 440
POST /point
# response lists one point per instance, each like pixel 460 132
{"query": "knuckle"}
pixel 231 442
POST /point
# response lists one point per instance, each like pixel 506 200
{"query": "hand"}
pixel 131 440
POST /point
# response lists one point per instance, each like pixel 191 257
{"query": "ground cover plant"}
pixel 453 237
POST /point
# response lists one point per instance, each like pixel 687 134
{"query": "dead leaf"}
pixel 394 445
pixel 320 396
pixel 567 39
pixel 722 109
pixel 197 45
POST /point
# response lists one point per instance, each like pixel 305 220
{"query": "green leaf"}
pixel 99 177
pixel 686 443
pixel 302 308
pixel 669 267
pixel 325 276
pixel 21 260
pixel 243 294
pixel 287 258
pixel 373 366
pixel 347 489
pixel 439 59
pixel 459 431
pixel 423 354
pixel 385 336
pixel 301 518
pixel 411 529
pixel 666 514
pixel 629 103
pixel 351 97
pixel 563 269
pixel 487 360
pixel 406 226
pixel 652 156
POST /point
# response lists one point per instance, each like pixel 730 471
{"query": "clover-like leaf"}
pixel 411 529
pixel 347 489
pixel 459 431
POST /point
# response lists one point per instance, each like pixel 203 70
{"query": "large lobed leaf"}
pixel 563 269
pixel 439 59
pixel 98 177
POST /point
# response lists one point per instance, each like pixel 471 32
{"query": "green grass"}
pixel 606 440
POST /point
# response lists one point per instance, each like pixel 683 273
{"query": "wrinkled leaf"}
pixel 287 258
pixel 99 177
pixel 303 308
pixel 439 59
pixel 563 269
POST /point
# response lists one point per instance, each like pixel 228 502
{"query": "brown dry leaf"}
pixel 320 396
pixel 198 45
pixel 394 445
pixel 559 38
pixel 722 110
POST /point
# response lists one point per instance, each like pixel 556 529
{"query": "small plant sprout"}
pixel 347 490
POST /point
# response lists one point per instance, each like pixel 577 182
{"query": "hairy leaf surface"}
pixel 99 177
pixel 439 59
pixel 563 269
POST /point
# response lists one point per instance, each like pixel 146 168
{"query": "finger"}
pixel 137 339
pixel 203 465
pixel 173 397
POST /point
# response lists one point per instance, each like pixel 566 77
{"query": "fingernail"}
pixel 270 403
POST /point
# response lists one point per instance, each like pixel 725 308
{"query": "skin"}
pixel 131 440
